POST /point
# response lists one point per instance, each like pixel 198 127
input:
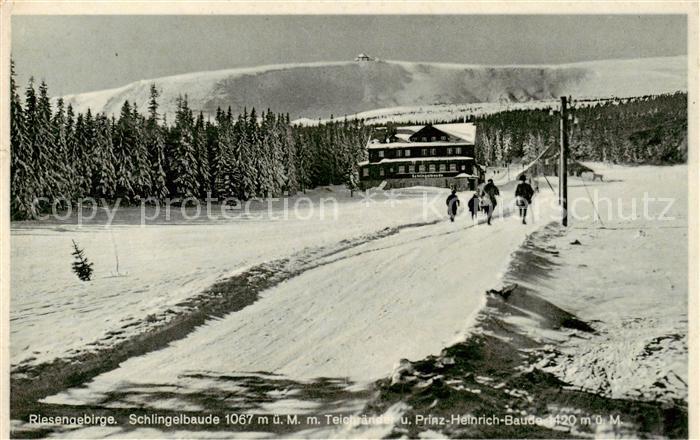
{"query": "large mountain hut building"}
pixel 439 155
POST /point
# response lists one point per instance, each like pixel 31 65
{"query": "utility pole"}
pixel 563 158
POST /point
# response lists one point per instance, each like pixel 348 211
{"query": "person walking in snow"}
pixel 452 204
pixel 473 205
pixel 523 197
pixel 488 199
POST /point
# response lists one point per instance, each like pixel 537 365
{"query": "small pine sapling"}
pixel 81 266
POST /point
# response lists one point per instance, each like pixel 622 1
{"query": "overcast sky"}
pixel 83 53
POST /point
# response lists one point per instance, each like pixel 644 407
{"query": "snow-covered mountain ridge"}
pixel 318 90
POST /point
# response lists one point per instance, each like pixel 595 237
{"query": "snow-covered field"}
pixel 53 314
pixel 351 316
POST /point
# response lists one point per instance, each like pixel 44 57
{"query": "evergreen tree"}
pixel 81 266
pixel 289 153
pixel 63 165
pixel 244 176
pixel 104 181
pixel 184 160
pixel 155 144
pixel 224 161
pixel 48 160
pixel 199 140
pixel 212 135
pixel 140 156
pixel 38 179
pixel 256 159
pixel 123 141
pixel 22 178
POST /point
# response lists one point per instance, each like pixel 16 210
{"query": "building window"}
pixel 443 167
pixel 402 169
pixel 433 152
pixel 365 172
pixel 449 151
pixel 424 139
pixel 464 167
pixel 407 153
pixel 381 171
pixel 423 151
pixel 421 168
pixel 380 153
pixel 415 168
pixel 458 150
pixel 432 168
pixel 453 167
pixel 443 138
pixel 432 139
pixel 398 153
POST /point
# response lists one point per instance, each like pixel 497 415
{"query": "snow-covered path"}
pixel 403 296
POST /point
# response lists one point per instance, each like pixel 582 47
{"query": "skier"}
pixel 473 205
pixel 488 199
pixel 523 197
pixel 452 204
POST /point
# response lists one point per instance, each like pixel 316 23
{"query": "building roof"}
pixel 418 144
pixel 465 132
pixel 418 159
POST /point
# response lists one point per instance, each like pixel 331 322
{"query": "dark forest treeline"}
pixel 59 156
pixel 649 129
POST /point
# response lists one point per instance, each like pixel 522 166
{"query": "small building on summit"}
pixel 363 57
pixel 439 155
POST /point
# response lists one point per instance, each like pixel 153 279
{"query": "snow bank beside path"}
pixel 628 279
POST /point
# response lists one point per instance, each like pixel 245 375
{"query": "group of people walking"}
pixel 486 200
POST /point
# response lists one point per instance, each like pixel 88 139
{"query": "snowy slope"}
pixel 318 90
pixel 352 316
pixel 55 315
pixel 355 316
pixel 630 280
pixel 435 113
